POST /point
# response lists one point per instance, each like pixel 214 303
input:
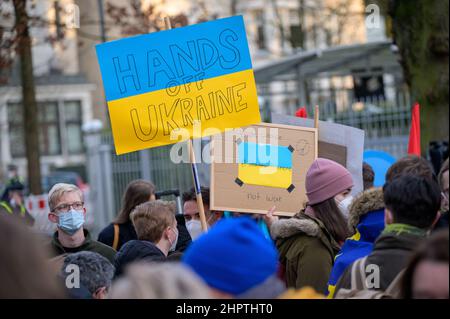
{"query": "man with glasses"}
pixel 67 211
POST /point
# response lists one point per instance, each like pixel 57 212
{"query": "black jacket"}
pixel 127 233
pixel 135 250
pixel 184 238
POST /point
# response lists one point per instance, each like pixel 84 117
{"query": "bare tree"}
pixel 29 104
pixel 279 23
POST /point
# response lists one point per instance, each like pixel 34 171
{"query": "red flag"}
pixel 301 112
pixel 414 132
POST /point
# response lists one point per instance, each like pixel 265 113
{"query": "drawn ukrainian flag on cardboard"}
pixel 265 165
pixel 164 81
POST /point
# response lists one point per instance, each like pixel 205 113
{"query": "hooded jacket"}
pixel 366 216
pixel 56 248
pixel 306 251
pixel 391 253
pixel 135 250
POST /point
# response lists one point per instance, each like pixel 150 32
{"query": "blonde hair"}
pixel 58 190
pixel 150 219
pixel 144 280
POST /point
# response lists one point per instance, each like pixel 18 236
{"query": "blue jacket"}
pixel 367 217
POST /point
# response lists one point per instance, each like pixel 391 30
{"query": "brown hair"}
pixel 368 176
pixel 26 272
pixel 444 168
pixel 137 192
pixel 150 219
pixel 411 165
pixel 330 215
pixel 434 249
pixel 191 195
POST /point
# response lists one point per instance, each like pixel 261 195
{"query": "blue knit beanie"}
pixel 233 256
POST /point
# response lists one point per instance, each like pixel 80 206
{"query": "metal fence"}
pixel 385 119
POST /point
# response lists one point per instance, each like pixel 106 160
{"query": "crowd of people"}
pixel 385 242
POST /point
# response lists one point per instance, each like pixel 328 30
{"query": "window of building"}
pixel 260 30
pixel 51 124
pixel 72 115
pixel 49 134
pixel 295 29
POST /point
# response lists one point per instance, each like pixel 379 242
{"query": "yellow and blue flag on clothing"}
pixel 360 245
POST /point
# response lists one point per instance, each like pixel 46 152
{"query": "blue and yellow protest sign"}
pixel 164 81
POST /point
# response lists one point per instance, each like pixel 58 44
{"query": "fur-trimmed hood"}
pixel 367 201
pixel 285 228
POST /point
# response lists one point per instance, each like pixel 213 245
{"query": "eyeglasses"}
pixel 64 208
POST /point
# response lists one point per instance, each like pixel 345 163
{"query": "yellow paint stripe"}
pixel 265 176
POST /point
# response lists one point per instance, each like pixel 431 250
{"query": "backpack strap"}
pixel 116 237
pixel 358 274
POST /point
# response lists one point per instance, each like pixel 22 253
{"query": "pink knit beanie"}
pixel 325 179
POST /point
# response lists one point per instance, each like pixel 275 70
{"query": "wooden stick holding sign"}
pixel 316 117
pixel 198 193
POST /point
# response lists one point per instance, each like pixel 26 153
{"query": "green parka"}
pixel 307 251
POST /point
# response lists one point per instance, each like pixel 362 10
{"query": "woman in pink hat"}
pixel 309 241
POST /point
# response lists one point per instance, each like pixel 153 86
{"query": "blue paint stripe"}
pixel 207 50
pixel 264 155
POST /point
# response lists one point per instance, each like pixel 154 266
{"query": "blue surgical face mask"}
pixel 71 221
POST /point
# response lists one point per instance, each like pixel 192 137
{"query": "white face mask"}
pixel 194 228
pixel 344 205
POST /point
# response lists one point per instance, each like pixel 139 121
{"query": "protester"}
pixel 367 219
pixel 412 165
pixel 13 203
pixel 368 176
pixel 236 260
pixel 95 273
pixel 309 241
pixel 68 212
pixel 156 229
pixel 427 274
pixel 159 281
pixel 443 183
pixel 24 271
pixel 192 215
pixel 121 230
pixel 411 209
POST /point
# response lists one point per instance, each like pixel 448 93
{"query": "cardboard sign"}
pixel 340 143
pixel 260 166
pixel 157 84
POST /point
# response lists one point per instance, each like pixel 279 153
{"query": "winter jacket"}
pixel 127 233
pixel 366 216
pixel 306 250
pixel 135 250
pixel 88 245
pixel 391 254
